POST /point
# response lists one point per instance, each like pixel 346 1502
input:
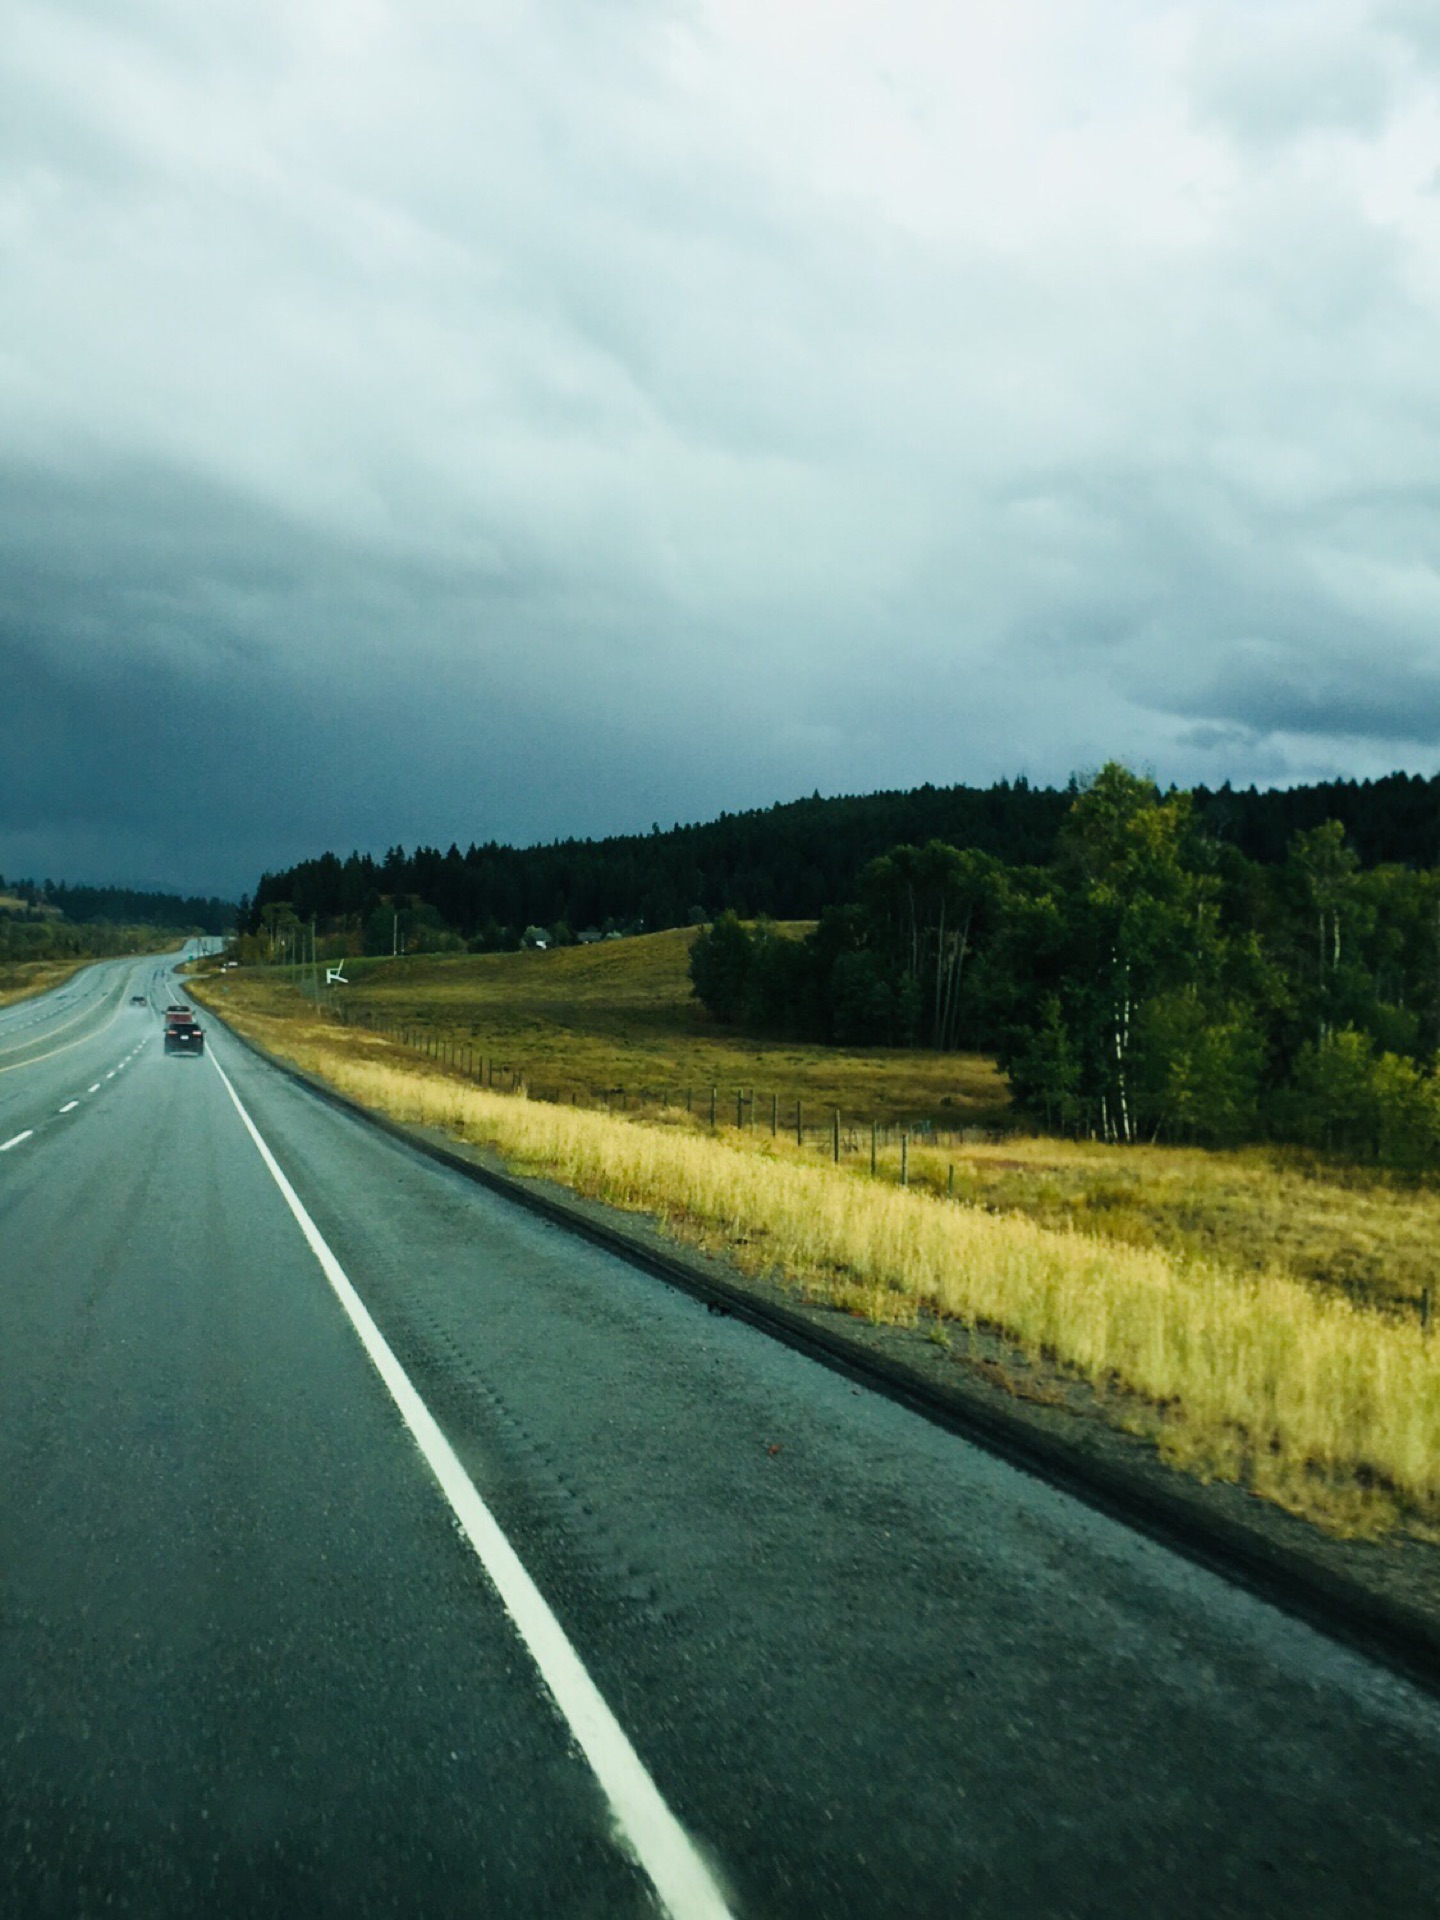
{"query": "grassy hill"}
pixel 619 1017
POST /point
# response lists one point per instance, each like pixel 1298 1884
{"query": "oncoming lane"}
pixel 68 1042
pixel 34 1030
pixel 61 1049
pixel 33 1096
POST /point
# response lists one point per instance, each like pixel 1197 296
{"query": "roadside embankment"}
pixel 26 979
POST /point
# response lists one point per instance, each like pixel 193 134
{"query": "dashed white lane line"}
pixel 69 1046
pixel 28 1134
pixel 651 1832
pixel 94 1089
pixel 69 1106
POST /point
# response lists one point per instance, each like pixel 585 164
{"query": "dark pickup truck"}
pixel 183 1032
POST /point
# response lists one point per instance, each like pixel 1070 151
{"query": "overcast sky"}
pixel 464 418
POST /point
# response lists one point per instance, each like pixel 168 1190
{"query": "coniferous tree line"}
pixel 118 906
pixel 48 920
pixel 1216 966
pixel 788 862
pixel 1148 980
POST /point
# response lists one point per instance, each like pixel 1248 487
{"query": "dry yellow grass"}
pixel 1357 1231
pixel 1325 1406
pixel 23 979
pixel 620 1016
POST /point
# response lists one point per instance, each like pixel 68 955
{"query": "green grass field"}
pixel 619 1017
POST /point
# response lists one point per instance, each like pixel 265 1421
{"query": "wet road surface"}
pixel 250 1663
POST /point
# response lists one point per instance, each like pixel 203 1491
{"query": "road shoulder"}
pixel 1382 1597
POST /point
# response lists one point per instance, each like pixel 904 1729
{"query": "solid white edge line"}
pixel 655 1837
pixel 29 1134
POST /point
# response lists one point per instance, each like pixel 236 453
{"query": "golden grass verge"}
pixel 1328 1408
pixel 24 979
pixel 619 1016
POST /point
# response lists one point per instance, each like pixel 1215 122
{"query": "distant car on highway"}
pixel 183 1032
pixel 138 1000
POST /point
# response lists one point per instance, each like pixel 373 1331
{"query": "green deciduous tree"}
pixel 720 964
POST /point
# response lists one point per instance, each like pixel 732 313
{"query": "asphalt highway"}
pixel 624 1607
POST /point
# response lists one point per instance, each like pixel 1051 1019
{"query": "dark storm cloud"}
pixel 1279 641
pixel 186 670
pixel 1265 689
pixel 431 423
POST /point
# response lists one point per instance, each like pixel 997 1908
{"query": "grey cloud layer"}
pixel 493 425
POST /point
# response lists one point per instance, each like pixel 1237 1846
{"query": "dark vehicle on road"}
pixel 183 1032
pixel 137 1000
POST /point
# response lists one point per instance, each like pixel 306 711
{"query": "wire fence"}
pixel 806 1120
pixel 886 1144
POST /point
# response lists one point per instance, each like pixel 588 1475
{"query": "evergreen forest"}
pixel 1214 966
pixel 787 862
pixel 49 920
pixel 1148 981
